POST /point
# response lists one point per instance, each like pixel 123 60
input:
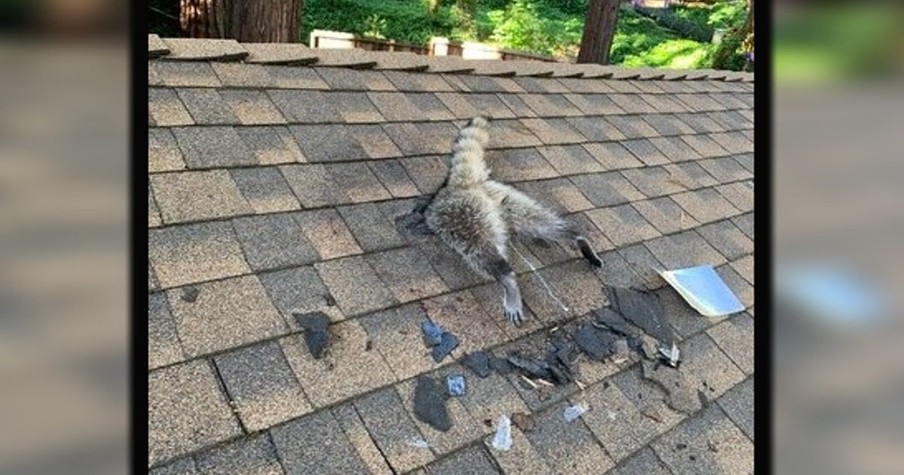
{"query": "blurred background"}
pixel 838 184
pixel 838 222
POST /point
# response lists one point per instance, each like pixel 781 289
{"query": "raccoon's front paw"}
pixel 515 315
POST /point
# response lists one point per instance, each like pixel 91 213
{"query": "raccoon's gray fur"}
pixel 477 216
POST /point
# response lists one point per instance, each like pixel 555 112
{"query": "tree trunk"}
pixel 246 21
pixel 599 28
pixel 733 40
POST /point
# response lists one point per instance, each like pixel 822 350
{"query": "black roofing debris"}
pixel 500 365
pixel 479 363
pixel 596 343
pixel 316 334
pixel 430 404
pixel 190 293
pixel 442 341
pixel 644 310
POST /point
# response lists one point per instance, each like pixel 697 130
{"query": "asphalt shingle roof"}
pixel 276 173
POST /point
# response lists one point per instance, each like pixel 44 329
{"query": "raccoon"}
pixel 477 216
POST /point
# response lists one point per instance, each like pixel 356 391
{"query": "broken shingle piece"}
pixel 448 342
pixel 479 363
pixel 455 385
pixel 316 336
pixel 596 343
pixel 432 334
pixel 430 404
pixel 644 310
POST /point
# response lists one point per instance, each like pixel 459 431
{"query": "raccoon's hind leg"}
pixel 528 218
pixel 502 271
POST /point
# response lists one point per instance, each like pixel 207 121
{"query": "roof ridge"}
pixel 228 50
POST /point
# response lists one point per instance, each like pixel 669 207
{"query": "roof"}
pixel 276 174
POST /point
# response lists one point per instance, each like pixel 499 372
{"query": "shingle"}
pixel 699 102
pixel 165 108
pixel 737 284
pixel 746 161
pixel 251 107
pixel 667 124
pixel 705 205
pixel 208 147
pixel 467 106
pixel 594 104
pixel 193 253
pixel 665 215
pixel 681 316
pixel 449 265
pixel 571 159
pixel 261 386
pixel 663 103
pixel 305 106
pixel 701 123
pixel 396 106
pixel 355 80
pixel 357 183
pixel 241 74
pixel 606 189
pixel 728 101
pixel 265 189
pixel 735 337
pixel 428 173
pixel 163 341
pixel 616 272
pixel 254 455
pixel 511 133
pixel 673 87
pixel 643 461
pixel 550 105
pixel 328 233
pixel 396 335
pixel 193 196
pixel 514 104
pixel 371 229
pixel 473 459
pixel 391 428
pixel 519 165
pixel 205 49
pixel 632 103
pixel 461 314
pixel 315 444
pixel 355 286
pixel 186 411
pixel 163 153
pixel 745 223
pixel 622 224
pixel 734 142
pixel 645 266
pixel 394 178
pixel 405 81
pixel 353 107
pixel 490 84
pixel 612 155
pixel 347 370
pixel 580 85
pixel 206 106
pixel 273 241
pixel 675 149
pixel 153 214
pixel 152 279
pixel 290 77
pixel 706 146
pixel 407 273
pixel 647 396
pixel 614 420
pixel 697 437
pixel 333 143
pixel 727 239
pixel 632 126
pixel 521 458
pixel 271 145
pixel 725 169
pixel 183 466
pixel 595 128
pixel 576 286
pixel 621 85
pixel 738 405
pixel 553 131
pixel 463 431
pixel 645 151
pixel 654 181
pixel 744 268
pixel 598 241
pixel 300 291
pixel 569 447
pixel 684 249
pixel 540 85
pixel 357 435
pixel 423 138
pixel 187 74
pixel 312 184
pixel 690 175
pixel 560 193
pixel 226 314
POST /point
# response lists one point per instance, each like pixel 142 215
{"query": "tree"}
pixel 736 38
pixel 247 21
pixel 599 28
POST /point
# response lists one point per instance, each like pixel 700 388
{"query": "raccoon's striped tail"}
pixel 468 165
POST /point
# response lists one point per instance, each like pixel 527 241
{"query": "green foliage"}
pixel 533 27
pixel 374 27
pixel 405 21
